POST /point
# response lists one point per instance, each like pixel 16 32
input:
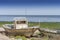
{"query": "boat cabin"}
pixel 20 23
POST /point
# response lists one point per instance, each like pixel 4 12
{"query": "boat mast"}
pixel 25 11
pixel 39 22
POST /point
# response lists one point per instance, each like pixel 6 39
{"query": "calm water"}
pixel 32 18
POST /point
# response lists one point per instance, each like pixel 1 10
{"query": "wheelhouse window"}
pixel 21 22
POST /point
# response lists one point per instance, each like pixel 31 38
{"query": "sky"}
pixel 29 7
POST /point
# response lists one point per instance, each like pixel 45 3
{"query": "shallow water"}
pixel 32 18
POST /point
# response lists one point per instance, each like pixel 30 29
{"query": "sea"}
pixel 32 18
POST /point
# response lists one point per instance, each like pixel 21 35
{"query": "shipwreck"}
pixel 19 27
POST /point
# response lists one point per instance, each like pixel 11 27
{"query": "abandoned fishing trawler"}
pixel 20 27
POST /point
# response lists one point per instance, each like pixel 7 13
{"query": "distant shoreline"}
pixel 32 15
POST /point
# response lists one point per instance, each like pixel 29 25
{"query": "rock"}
pixel 37 32
pixel 3 37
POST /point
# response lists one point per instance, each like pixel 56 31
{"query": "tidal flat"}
pixel 50 25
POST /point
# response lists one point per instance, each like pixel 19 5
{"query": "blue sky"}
pixel 29 7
